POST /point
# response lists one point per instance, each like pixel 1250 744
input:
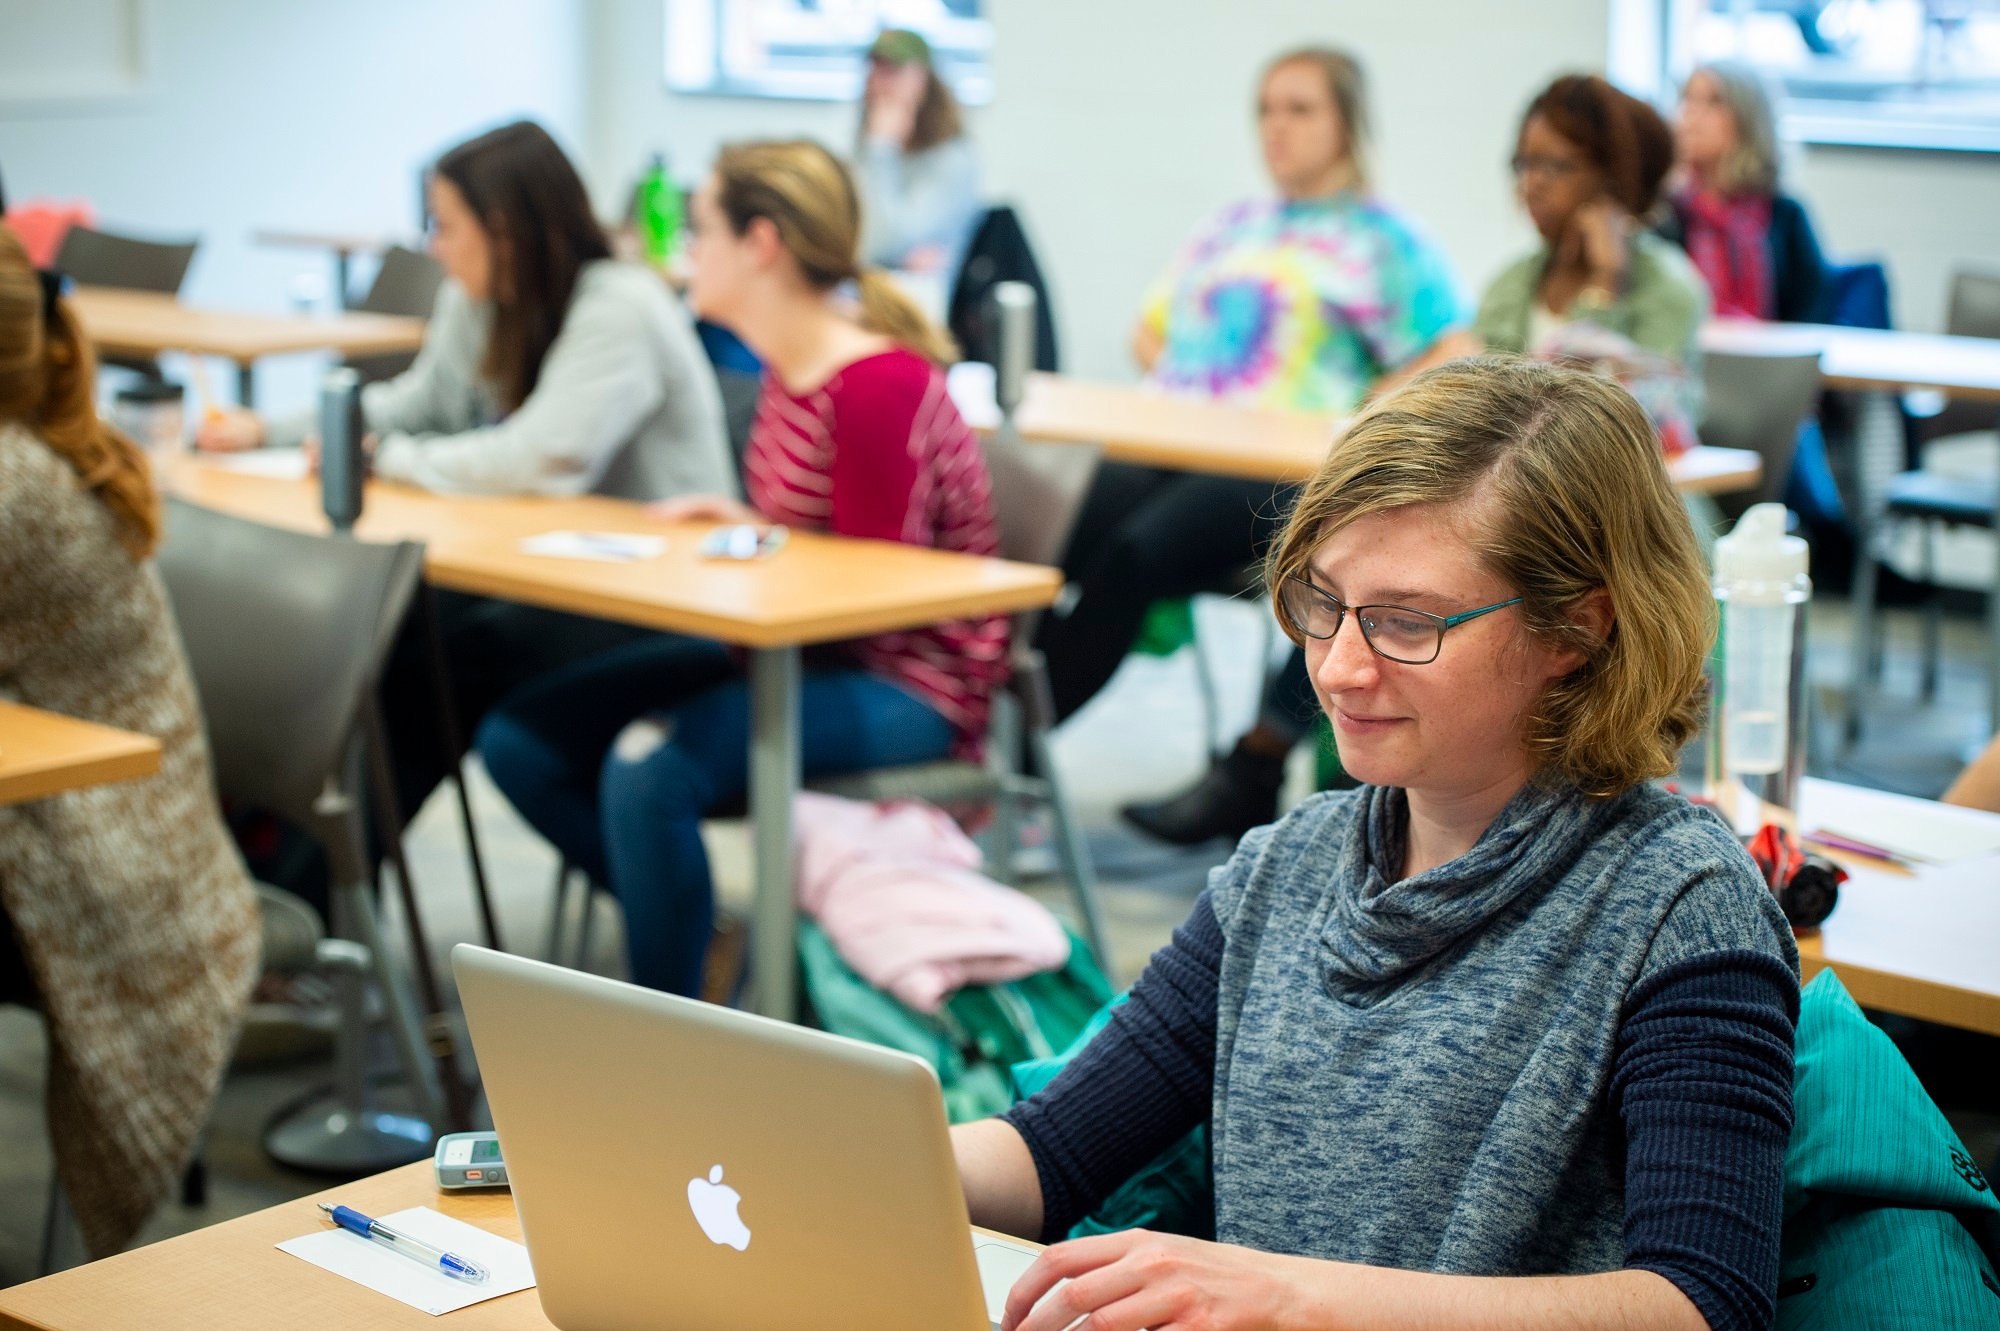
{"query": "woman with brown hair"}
pixel 548 367
pixel 915 167
pixel 616 760
pixel 133 915
pixel 1589 163
pixel 1504 1037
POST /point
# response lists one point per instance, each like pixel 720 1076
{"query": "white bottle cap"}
pixel 1758 550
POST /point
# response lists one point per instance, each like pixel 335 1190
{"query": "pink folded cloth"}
pixel 897 888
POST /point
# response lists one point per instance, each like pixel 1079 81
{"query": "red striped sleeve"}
pixel 880 451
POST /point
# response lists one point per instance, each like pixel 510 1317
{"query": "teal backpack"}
pixel 981 1032
pixel 1889 1223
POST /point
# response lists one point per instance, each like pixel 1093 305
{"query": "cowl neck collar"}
pixel 1380 930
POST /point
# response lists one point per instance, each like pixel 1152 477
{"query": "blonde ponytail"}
pixel 887 310
pixel 808 196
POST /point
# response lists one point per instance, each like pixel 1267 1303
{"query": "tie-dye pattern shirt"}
pixel 1300 304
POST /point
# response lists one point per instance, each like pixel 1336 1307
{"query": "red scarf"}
pixel 1729 241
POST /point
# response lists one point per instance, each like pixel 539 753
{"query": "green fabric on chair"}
pixel 1889 1223
pixel 1175 1194
pixel 1169 626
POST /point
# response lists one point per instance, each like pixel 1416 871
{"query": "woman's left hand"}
pixel 1141 1281
pixel 1605 229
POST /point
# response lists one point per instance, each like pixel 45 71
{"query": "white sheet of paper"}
pixel 387 1271
pixel 283 464
pixel 1920 830
pixel 610 547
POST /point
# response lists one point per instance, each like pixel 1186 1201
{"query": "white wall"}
pixel 1925 213
pixel 1119 123
pixel 308 116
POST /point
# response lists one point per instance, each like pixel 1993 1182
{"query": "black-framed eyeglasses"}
pixel 1395 632
pixel 1534 164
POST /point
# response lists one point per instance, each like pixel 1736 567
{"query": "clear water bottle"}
pixel 1757 725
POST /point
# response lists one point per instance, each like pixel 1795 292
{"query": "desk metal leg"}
pixel 774 780
pixel 340 287
pixel 246 384
pixel 1878 457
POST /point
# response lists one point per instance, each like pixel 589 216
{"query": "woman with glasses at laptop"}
pixel 1504 1036
pixel 618 759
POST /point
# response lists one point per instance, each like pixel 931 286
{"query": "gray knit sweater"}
pixel 1415 1073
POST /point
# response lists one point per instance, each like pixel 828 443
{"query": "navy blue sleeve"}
pixel 1702 1083
pixel 1142 1084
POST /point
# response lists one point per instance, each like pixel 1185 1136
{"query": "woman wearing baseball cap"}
pixel 918 175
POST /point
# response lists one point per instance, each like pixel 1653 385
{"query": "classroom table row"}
pixel 815 589
pixel 1916 942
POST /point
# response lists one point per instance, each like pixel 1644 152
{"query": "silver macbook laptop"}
pixel 694 1168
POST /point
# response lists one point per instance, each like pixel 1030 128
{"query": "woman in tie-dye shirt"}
pixel 1299 302
pixel 1309 299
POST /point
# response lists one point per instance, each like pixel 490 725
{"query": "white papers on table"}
pixel 281 464
pixel 386 1271
pixel 1920 830
pixel 609 547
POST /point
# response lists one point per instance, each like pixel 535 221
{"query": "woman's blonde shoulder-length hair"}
pixel 1571 496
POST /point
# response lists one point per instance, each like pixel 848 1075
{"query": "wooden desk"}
pixel 42 753
pixel 232 1274
pixel 1145 427
pixel 1870 359
pixel 816 589
pixel 143 323
pixel 1919 945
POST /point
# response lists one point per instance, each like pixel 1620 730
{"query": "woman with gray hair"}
pixel 1752 243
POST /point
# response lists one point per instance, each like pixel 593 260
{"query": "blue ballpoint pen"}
pixel 451 1264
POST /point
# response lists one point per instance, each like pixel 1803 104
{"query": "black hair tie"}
pixel 53 282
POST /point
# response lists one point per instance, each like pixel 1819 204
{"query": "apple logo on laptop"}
pixel 714 1205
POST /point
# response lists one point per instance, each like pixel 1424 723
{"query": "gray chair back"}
pixel 1038 490
pixel 407 283
pixel 102 259
pixel 286 634
pixel 1758 403
pixel 740 391
pixel 1974 312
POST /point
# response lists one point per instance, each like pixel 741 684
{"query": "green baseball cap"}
pixel 900 46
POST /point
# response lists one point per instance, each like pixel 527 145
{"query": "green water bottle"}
pixel 658 212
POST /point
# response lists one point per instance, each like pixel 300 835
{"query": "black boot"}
pixel 1236 794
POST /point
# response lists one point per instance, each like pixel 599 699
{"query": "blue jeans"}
pixel 617 759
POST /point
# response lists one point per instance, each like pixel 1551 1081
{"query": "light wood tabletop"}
pixel 142 323
pixel 42 754
pixel 232 1275
pixel 1870 358
pixel 1146 427
pixel 340 242
pixel 1919 944
pixel 815 589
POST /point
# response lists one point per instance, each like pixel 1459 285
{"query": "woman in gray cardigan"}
pixel 548 367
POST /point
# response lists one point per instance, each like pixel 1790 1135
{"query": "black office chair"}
pixel 286 634
pixel 406 284
pixel 999 252
pixel 104 259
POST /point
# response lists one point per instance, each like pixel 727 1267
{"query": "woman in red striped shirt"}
pixel 616 760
